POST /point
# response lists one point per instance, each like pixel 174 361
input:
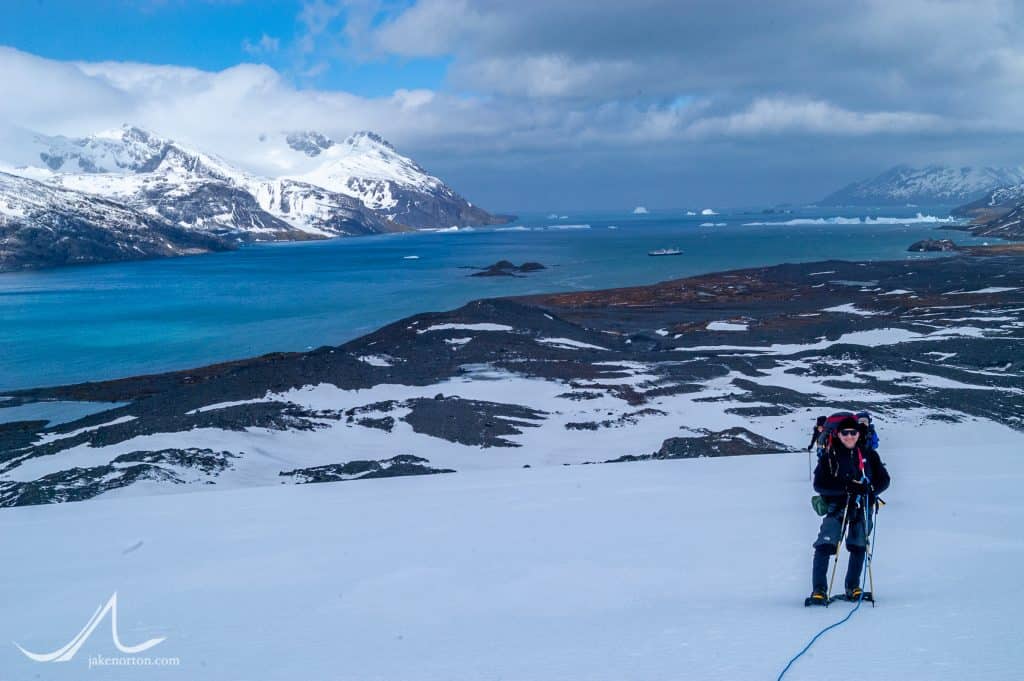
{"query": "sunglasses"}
pixel 849 431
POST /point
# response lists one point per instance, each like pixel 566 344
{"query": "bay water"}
pixel 105 321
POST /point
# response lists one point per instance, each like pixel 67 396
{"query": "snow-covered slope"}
pixel 43 226
pixel 361 186
pixel 368 168
pixel 930 185
pixel 368 156
pixel 197 190
pixel 1010 194
pixel 659 570
pixel 635 568
pixel 1000 213
pixel 570 379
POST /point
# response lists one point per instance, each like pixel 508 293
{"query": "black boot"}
pixel 819 576
pixel 854 568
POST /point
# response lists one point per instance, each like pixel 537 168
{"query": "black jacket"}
pixel 839 466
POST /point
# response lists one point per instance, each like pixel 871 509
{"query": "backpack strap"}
pixel 863 470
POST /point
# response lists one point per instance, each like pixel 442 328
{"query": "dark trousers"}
pixel 819 571
pixel 857 531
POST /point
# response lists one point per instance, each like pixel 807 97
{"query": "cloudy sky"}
pixel 545 105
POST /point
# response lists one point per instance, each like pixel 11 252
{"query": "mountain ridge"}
pixel 933 184
pixel 361 186
pixel 47 226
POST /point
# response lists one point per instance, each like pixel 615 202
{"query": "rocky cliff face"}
pixel 46 226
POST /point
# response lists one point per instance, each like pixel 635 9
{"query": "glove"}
pixel 855 488
pixel 810 447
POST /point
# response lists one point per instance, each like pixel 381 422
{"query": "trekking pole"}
pixel 842 536
pixel 871 548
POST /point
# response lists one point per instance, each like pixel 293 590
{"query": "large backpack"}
pixel 829 432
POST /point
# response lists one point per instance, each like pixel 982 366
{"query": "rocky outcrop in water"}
pixel 932 246
pixel 505 268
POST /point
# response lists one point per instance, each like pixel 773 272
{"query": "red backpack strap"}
pixel 860 462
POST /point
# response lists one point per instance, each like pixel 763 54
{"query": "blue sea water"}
pixel 105 321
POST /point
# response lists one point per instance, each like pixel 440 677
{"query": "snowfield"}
pixel 653 570
pixel 501 554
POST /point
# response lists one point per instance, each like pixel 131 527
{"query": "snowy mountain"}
pixel 1000 213
pixel 199 191
pixel 930 185
pixel 368 168
pixel 390 190
pixel 43 226
pixel 358 187
pixel 997 201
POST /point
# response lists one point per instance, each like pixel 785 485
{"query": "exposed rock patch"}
pixel 403 464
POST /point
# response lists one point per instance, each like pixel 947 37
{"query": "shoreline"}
pixel 1012 249
pixel 178 302
pixel 708 365
pixel 502 220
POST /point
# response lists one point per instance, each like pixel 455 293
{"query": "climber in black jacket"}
pixel 849 476
pixel 816 433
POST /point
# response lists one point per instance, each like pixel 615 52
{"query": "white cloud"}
pixel 545 84
pixel 227 111
pixel 953 59
pixel 430 29
pixel 785 115
pixel 265 45
pixel 544 75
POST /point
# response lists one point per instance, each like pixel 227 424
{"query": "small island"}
pixel 933 246
pixel 504 268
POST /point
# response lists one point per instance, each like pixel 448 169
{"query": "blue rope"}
pixel 860 600
pixel 816 637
